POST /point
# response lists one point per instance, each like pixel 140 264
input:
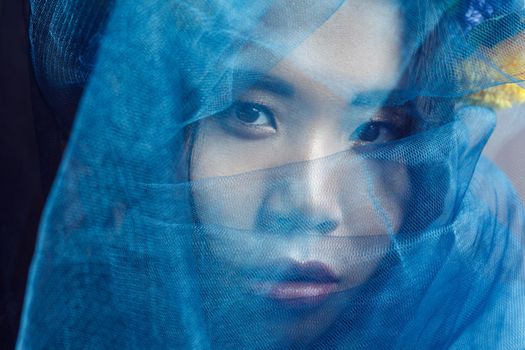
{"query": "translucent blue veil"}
pixel 278 174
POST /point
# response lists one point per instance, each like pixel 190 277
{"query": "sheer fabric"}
pixel 276 174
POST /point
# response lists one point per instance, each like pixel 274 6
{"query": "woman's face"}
pixel 293 216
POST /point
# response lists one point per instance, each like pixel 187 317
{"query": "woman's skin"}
pixel 292 218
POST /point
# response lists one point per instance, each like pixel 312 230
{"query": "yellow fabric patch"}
pixel 504 63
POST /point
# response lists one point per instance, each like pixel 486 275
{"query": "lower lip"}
pixel 296 294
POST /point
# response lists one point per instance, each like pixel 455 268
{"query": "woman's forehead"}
pixel 360 44
pixel 357 48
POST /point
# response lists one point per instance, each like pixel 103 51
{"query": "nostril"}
pixel 326 226
pixel 295 223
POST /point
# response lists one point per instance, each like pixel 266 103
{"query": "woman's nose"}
pixel 304 201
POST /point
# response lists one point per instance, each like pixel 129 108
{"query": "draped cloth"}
pixel 276 174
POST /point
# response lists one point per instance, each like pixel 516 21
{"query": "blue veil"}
pixel 229 183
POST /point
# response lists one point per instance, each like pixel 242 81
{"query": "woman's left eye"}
pixel 375 132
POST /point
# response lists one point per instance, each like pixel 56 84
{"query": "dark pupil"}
pixel 369 132
pixel 248 114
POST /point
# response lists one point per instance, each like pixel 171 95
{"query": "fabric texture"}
pixel 277 174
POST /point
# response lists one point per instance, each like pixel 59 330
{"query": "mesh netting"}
pixel 278 174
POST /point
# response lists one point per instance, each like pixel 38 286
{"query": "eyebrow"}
pixel 245 79
pixel 379 98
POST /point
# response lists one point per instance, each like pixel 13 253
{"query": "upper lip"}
pixel 309 271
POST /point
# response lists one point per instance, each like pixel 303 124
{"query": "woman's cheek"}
pixel 217 152
pixel 227 203
pixel 229 177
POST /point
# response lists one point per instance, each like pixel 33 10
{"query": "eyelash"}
pixel 246 129
pixel 370 131
pixel 250 129
pixel 398 121
pixel 248 107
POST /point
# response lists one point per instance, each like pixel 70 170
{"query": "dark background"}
pixel 30 150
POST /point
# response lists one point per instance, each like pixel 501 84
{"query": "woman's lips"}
pixel 301 294
pixel 302 285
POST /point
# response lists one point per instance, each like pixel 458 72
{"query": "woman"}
pixel 296 192
pixel 283 175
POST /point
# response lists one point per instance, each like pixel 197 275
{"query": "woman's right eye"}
pixel 248 120
pixel 253 114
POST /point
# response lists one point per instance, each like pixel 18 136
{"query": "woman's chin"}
pixel 286 314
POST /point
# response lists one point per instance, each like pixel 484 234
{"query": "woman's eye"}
pixel 253 114
pixel 375 131
pixel 248 120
